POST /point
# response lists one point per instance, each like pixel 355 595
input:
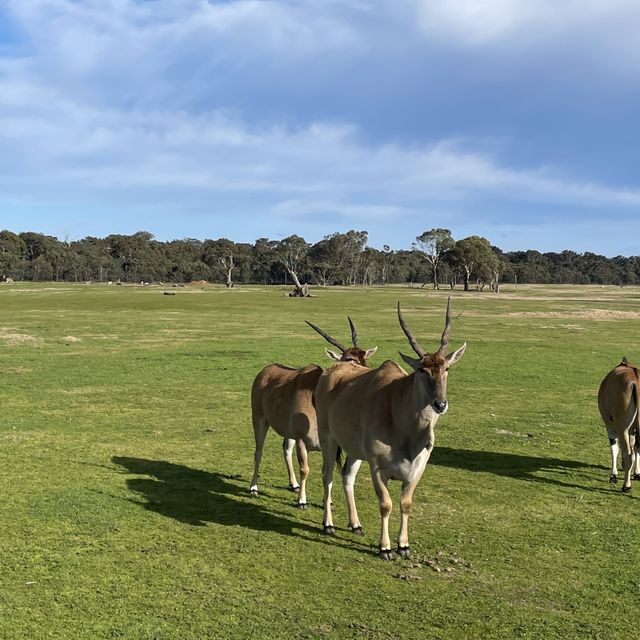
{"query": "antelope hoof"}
pixel 613 479
pixel 636 476
pixel 404 552
pixel 626 489
pixel 294 487
pixel 302 505
pixel 386 554
pixel 329 529
pixel 254 493
pixel 357 530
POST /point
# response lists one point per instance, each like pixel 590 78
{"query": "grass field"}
pixel 126 453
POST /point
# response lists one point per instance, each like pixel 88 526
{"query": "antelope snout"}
pixel 440 406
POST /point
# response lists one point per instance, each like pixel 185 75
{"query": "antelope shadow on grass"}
pixel 510 465
pixel 196 497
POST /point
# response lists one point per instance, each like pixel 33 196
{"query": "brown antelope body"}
pixel 282 397
pixel 386 417
pixel 618 404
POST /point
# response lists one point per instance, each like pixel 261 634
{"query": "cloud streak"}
pixel 55 140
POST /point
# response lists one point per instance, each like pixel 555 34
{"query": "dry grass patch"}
pixel 586 314
pixel 15 370
pixel 183 330
pixel 13 339
pixel 16 437
pixel 83 391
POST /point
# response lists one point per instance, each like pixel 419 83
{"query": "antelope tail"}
pixel 339 459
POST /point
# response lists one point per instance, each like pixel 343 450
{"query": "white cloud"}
pixel 605 29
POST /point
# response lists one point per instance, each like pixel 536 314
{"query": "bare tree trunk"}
pixel 467 275
pixel 300 290
pixel 321 276
pixel 495 282
pixel 228 264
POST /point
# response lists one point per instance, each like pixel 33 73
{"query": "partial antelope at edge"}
pixel 618 404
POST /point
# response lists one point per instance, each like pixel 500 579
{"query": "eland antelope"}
pixel 386 417
pixel 618 404
pixel 282 397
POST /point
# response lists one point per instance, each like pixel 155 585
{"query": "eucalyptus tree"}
pixel 489 271
pixel 450 270
pixel 530 266
pixel 243 259
pixel 496 266
pixel 338 257
pixel 13 251
pixel 292 253
pixel 435 244
pixel 387 259
pixel 186 260
pixel 471 254
pixel 265 263
pixel 320 262
pixel 139 257
pixel 407 266
pixel 370 263
pixel 219 255
pixel 44 255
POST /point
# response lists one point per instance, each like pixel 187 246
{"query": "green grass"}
pixel 126 453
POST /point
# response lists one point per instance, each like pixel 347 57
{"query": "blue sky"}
pixel 511 119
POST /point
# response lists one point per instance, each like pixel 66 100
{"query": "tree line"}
pixel 436 259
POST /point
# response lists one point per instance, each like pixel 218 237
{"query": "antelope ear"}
pixel 333 354
pixel 452 358
pixel 414 363
pixel 369 352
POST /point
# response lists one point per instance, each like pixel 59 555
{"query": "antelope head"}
pixel 432 368
pixel 347 354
